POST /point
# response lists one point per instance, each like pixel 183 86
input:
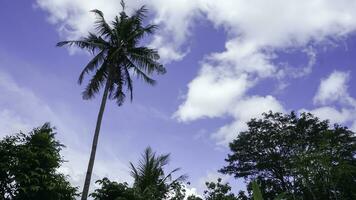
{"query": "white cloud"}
pixel 332 114
pixel 256 31
pixel 333 91
pixel 252 25
pixel 353 128
pixel 333 88
pixel 212 93
pixel 243 111
pixel 190 192
pixel 282 23
pixel 74 20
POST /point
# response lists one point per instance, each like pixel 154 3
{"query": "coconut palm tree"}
pixel 150 179
pixel 117 57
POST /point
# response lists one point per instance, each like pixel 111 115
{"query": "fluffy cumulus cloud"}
pixel 332 92
pixel 257 30
pixel 333 88
pixel 214 91
pixel 243 111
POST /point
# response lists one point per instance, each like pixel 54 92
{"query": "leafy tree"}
pixel 29 164
pixel 150 181
pixel 301 157
pixel 111 190
pixel 118 55
pixel 218 191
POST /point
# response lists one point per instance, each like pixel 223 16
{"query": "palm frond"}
pixel 119 95
pixel 141 32
pixel 139 73
pixel 90 43
pixel 140 14
pixel 101 25
pixel 79 43
pixel 129 82
pixel 93 64
pixel 147 65
pixel 134 172
pixel 147 59
pixel 123 5
pixel 95 83
pixel 145 52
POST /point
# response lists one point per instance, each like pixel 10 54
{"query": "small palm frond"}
pixel 101 25
pixel 90 43
pixel 95 83
pixel 138 72
pixel 170 174
pixel 134 172
pixel 119 95
pixel 147 59
pixel 78 43
pixel 93 64
pixel 141 32
pixel 140 14
pixel 145 52
pixel 129 82
pixel 123 5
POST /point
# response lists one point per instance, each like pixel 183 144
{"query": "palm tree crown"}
pixel 150 178
pixel 118 54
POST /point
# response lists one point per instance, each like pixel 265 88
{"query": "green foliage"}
pixel 257 195
pixel 118 54
pixel 301 157
pixel 218 191
pixel 111 190
pixel 29 164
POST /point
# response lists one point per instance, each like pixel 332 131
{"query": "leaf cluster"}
pixel 29 164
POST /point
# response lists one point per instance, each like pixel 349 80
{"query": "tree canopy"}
pixel 29 164
pixel 301 156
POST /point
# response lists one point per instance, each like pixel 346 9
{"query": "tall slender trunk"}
pixel 95 143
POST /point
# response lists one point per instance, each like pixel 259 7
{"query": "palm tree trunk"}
pixel 95 143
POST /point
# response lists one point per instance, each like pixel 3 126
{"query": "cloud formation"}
pixel 333 89
pixel 257 31
pixel 332 92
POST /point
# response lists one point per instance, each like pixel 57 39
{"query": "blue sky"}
pixel 227 61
